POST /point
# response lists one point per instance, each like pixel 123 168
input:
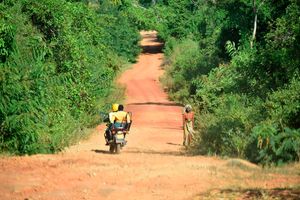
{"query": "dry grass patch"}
pixel 244 180
pixel 252 194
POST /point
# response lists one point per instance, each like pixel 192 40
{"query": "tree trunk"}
pixel 255 24
pixel 255 10
pixel 254 31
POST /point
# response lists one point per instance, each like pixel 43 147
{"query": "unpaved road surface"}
pixel 152 166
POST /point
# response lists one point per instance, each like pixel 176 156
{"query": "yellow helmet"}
pixel 115 107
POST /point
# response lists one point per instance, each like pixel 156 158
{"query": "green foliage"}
pixel 182 61
pixel 59 60
pixel 278 137
pixel 187 62
pixel 283 106
pixel 276 146
pixel 246 97
pixel 7 33
pixel 231 48
pixel 123 35
pixel 226 126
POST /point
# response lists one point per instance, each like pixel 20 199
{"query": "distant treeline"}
pixel 238 63
pixel 58 60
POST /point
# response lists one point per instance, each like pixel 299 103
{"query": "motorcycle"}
pixel 118 140
pixel 118 134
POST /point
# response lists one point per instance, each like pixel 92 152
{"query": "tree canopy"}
pixel 58 60
pixel 237 62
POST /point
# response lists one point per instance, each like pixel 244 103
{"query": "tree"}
pixel 255 11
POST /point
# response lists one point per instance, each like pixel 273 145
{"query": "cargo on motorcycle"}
pixel 118 125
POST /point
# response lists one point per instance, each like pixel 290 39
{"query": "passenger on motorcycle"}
pixel 120 119
pixel 107 134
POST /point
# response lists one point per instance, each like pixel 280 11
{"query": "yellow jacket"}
pixel 119 117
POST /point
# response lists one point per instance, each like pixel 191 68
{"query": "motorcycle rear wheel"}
pixel 118 148
pixel 111 148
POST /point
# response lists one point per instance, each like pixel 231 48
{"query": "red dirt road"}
pixel 152 165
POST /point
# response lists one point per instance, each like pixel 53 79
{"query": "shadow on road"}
pixel 168 128
pixel 156 103
pixel 151 152
pixel 170 143
pixel 100 151
pixel 152 49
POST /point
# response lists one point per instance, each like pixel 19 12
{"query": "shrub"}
pixel 57 70
pixel 241 92
pixel 274 145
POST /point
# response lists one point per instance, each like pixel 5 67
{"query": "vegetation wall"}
pixel 237 62
pixel 58 60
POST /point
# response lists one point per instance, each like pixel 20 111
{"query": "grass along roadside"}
pixel 252 194
pixel 240 179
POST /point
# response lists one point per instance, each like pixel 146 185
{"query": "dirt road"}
pixel 153 164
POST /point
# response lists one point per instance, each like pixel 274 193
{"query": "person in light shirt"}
pixel 188 125
pixel 120 118
pixel 107 133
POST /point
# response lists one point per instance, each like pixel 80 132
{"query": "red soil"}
pixel 153 165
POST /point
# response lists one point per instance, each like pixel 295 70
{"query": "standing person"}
pixel 188 125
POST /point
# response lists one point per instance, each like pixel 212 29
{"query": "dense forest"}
pixel 237 62
pixel 58 61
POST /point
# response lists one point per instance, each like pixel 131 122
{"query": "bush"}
pixel 274 145
pixel 58 66
pixel 241 92
pixel 225 129
pixel 7 34
pixel 278 137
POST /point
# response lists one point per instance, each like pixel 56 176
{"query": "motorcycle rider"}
pixel 107 133
pixel 120 119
